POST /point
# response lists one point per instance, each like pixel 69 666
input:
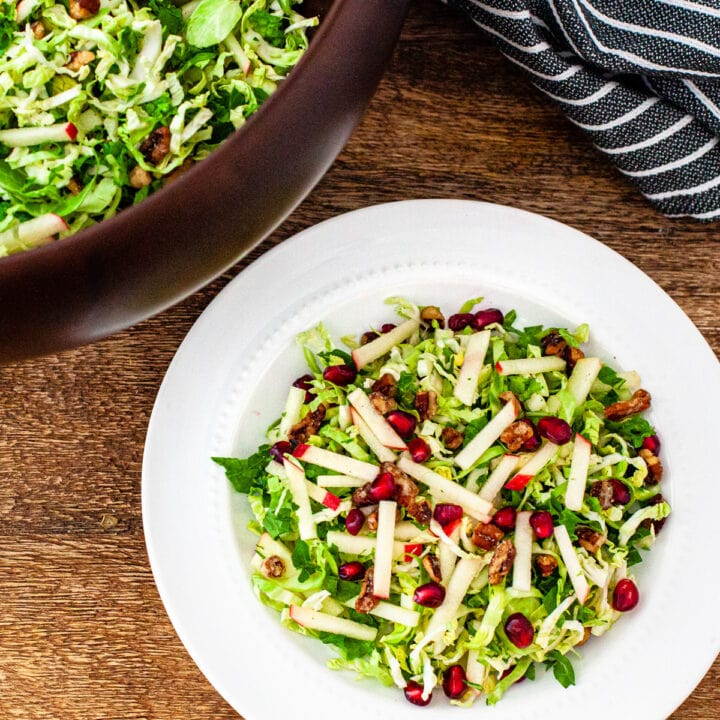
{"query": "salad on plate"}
pixel 454 502
pixel 102 102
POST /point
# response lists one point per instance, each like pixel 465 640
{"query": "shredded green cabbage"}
pixel 620 510
pixel 148 87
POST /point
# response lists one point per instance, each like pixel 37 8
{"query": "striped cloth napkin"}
pixel 641 77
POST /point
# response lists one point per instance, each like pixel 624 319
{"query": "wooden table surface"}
pixel 83 634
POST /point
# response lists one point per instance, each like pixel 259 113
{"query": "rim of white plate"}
pixel 340 271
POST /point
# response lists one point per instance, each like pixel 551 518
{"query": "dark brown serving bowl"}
pixel 152 255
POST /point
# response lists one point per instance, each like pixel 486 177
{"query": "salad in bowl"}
pixel 102 102
pixel 454 502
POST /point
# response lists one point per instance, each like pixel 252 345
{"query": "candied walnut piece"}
pixel 362 497
pixel 368 336
pixel 501 562
pixel 517 434
pixel 372 521
pixel 83 9
pixel 590 539
pixel 79 59
pixel 420 511
pixel 572 355
pixel 38 29
pixel 654 466
pixel 487 536
pixel 510 397
pixel 603 490
pixel 426 404
pixel 430 313
pixel 272 567
pixel 366 601
pixel 156 145
pixel 553 343
pixel 309 425
pixel 452 439
pixel 139 178
pixel 382 403
pixel 385 385
pixel 637 403
pixel 546 565
pixel 406 490
pixel 585 637
pixel 432 567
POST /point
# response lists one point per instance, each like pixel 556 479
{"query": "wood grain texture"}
pixel 83 634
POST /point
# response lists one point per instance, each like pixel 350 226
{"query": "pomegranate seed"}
pixel 504 518
pixel 382 487
pixel 340 374
pixel 303 382
pixel 454 683
pixel 354 521
pixel 542 523
pixel 519 630
pixel 625 595
pixel 429 595
pixel 621 495
pixel 554 429
pixel 403 422
pixel 483 318
pixel 419 450
pixel 351 570
pixel 652 444
pixel 413 693
pixel 460 321
pixel 387 327
pixel 446 513
pixel 279 449
pixel 533 443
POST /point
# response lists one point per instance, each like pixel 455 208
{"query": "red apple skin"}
pixel 331 501
pixel 413 549
pixel 300 450
pixel 71 131
pixel 519 482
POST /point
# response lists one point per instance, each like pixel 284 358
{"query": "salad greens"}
pixel 104 101
pixel 454 503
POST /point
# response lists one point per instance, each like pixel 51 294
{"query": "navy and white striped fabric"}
pixel 641 77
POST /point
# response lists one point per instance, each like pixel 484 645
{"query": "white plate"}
pixel 229 379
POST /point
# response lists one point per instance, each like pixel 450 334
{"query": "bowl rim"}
pixel 15 261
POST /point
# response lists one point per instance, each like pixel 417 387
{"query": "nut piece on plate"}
pixel 382 403
pixel 426 404
pixel 420 511
pixel 452 439
pixel 590 539
pixel 546 564
pixel 501 562
pixel 309 425
pixel 432 567
pixel 366 601
pixel 654 466
pixel 487 536
pixel 515 435
pixel 637 403
pixel 430 313
pixel 272 567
